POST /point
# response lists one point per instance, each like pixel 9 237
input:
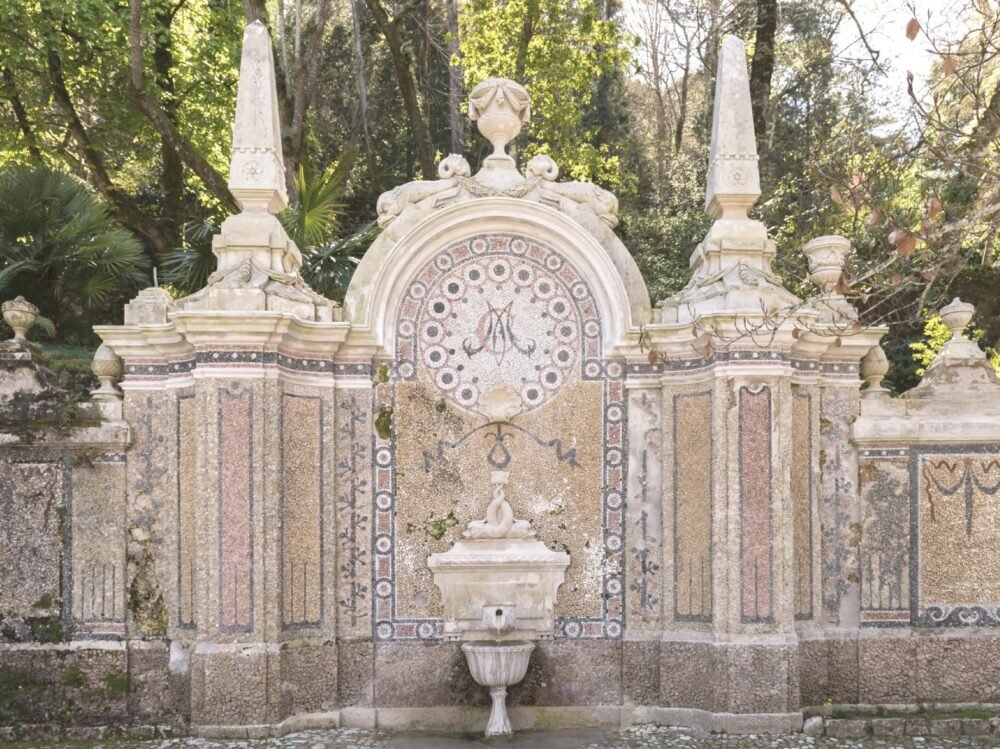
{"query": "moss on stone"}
pixel 382 373
pixel 145 599
pixel 383 422
pixel 45 602
pixel 117 682
pixel 45 628
pixel 437 528
pixel 72 676
pixel 16 689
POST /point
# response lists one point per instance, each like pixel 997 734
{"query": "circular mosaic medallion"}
pixel 498 310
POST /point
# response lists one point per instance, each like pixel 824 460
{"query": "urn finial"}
pixel 499 107
pixel 20 315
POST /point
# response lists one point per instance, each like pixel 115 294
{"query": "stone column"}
pixel 232 499
pixel 745 367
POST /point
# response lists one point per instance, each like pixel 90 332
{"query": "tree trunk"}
pixel 20 114
pixel 683 106
pixel 122 207
pixel 762 65
pixel 172 176
pixel 171 140
pixel 407 84
pixel 532 10
pixel 359 58
pixel 456 121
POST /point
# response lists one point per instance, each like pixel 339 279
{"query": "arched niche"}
pixel 372 301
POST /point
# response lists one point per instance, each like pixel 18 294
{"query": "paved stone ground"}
pixel 642 737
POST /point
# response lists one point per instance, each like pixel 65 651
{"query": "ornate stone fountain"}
pixel 499 584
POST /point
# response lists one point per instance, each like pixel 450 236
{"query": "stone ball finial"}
pixel 107 366
pixel 20 315
pixel 956 316
pixel 874 367
pixel 499 107
pixel 827 258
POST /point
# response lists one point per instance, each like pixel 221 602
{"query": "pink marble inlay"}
pixel 235 511
pixel 755 505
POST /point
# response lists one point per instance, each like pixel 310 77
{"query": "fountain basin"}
pixel 498 665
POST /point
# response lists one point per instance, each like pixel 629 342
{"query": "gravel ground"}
pixel 641 737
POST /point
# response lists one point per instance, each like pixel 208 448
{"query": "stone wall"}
pixel 237 542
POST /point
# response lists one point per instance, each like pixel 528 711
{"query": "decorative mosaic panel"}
pixel 955 527
pixel 98 547
pixel 353 446
pixel 756 549
pixel 489 311
pixel 692 450
pixel 235 491
pixel 802 504
pixel 186 507
pixel 32 501
pixel 301 510
pixel 885 537
pixel 645 532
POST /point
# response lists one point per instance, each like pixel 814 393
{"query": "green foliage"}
pixel 936 335
pixel 62 251
pixel 329 266
pixel 186 269
pixel 558 50
pixel 310 221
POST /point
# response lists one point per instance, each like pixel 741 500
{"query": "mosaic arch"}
pixel 490 310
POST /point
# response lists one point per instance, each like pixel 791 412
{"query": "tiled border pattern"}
pixel 762 357
pixel 928 614
pixel 242 358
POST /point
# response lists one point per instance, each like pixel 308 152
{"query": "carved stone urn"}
pixel 20 314
pixel 499 107
pixel 827 257
pixel 956 316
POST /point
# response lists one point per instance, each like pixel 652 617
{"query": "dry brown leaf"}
pixel 856 327
pixel 796 332
pixel 875 218
pixel 896 278
pixel 949 66
pixel 842 285
pixel 907 245
pixel 652 358
pixel 934 206
pixel 912 29
pixel 835 195
pixel 896 235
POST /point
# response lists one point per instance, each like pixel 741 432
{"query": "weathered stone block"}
pixel 843 729
pixel 888 726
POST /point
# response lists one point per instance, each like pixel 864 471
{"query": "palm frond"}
pixel 312 219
